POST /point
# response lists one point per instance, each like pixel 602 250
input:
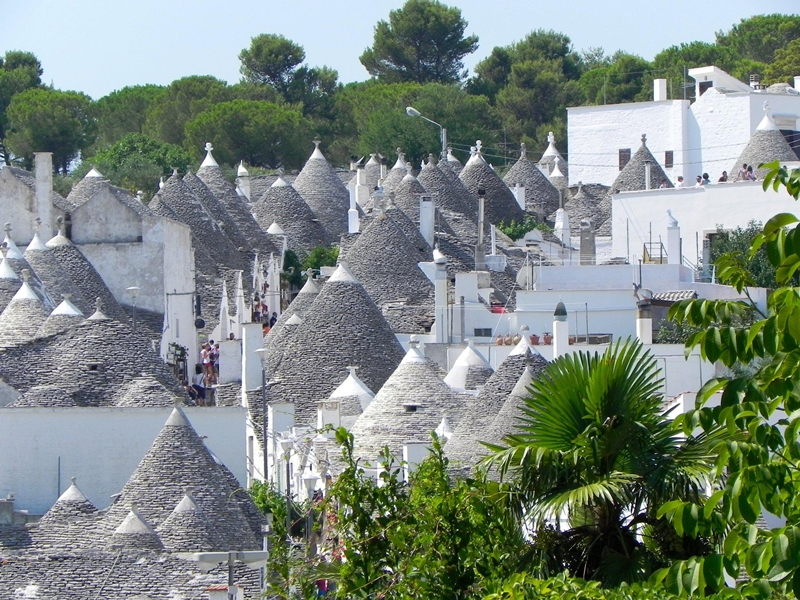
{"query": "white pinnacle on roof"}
pixel 469 358
pixel 551 146
pixel 279 182
pixel 767 123
pixel 343 274
pixel 413 355
pixel 556 171
pixel 177 418
pixel 352 386
pixel 317 154
pixel 524 344
pixel 134 523
pixel 401 160
pixel 161 183
pixel 187 503
pixel 93 173
pixel 294 320
pixel 13 250
pixel 6 272
pixel 475 153
pixel 72 494
pixel 241 171
pixel 67 308
pixel 444 430
pixel 36 243
pixel 26 291
pixel 276 229
pixel 450 157
pixel 209 161
pixel 372 160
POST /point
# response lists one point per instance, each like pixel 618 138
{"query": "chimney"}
pixel 243 180
pixel 426 218
pixel 352 216
pixel 647 169
pixel 519 194
pixel 659 90
pixel 43 171
pixel 362 189
pixel 480 251
pixel 560 331
pixel 494 240
pixel 644 318
pixel 252 340
pixel 329 413
pixel 755 81
pixel 440 296
pixel 797 82
pixel 588 246
pixel 674 250
pixel 413 454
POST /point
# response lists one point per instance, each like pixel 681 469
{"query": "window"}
pixel 624 157
pixel 481 332
pixel 668 159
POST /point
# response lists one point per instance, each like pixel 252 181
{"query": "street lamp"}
pixel 413 112
pixel 134 292
pixel 286 444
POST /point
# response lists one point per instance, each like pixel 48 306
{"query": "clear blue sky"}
pixel 97 46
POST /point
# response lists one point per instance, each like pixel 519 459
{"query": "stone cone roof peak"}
pixel 25 292
pixel 177 418
pixel 768 122
pixel 551 146
pixel 413 356
pixel 6 272
pixel 469 370
pixel 317 154
pixel 187 503
pixel 556 169
pixel 372 160
pixel 13 250
pixel 352 386
pixel 134 523
pixel 279 182
pixel 209 161
pixel 401 161
pixel 72 494
pixel 295 319
pixel 275 229
pixel 98 314
pixel 310 287
pixel 93 173
pixel 241 171
pixel 36 243
pixel 342 274
pixel 67 308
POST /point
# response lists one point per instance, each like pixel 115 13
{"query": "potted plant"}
pixel 548 339
pixel 534 340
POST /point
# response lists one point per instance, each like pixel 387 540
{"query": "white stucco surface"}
pixel 99 446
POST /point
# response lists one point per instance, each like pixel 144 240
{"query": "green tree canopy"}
pixel 261 133
pixel 47 120
pixel 760 37
pixel 184 99
pixel 621 79
pixel 423 42
pixel 124 111
pixel 595 446
pixel 271 59
pixel 786 64
pixel 19 71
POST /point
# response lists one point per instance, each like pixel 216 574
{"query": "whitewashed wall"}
pixel 100 446
pixel 597 133
pixel 17 206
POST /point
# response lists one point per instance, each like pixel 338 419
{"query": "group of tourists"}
pixel 206 373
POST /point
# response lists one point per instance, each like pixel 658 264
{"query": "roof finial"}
pixel 98 304
pixel 4 249
pixel 140 196
pixel 478 146
pixel 175 171
pixel 37 224
pixel 7 229
pixel 644 139
pixel 317 142
pixel 472 151
pixel 522 150
pixel 766 107
pixel 551 139
pixel 62 226
pixel 409 168
pixel 352 370
pixel 413 342
pixel 26 275
pixel 431 159
pixel 208 147
pixel 72 479
pixel 399 151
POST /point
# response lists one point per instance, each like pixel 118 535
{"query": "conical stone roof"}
pixel 451 195
pixel 469 371
pixel 559 179
pixel 301 303
pixel 385 262
pixel 65 316
pixel 217 211
pixel 632 177
pixel 396 173
pixel 349 326
pixel 353 395
pixel 551 153
pixel 135 533
pixel 407 195
pixel 408 407
pixel 69 520
pixel 324 193
pixel 500 204
pixel 539 192
pixel 83 274
pixel 453 164
pixel 464 446
pixel 54 277
pixel 9 283
pixel 282 204
pixel 186 529
pixel 767 144
pixel 22 317
pixel 410 230
pixel 373 171
pixel 70 505
pixel 179 459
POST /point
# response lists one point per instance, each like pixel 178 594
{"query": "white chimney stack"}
pixel 674 250
pixel 440 296
pixel 352 216
pixel 43 172
pixel 426 218
pixel 560 331
pixel 644 319
pixel 519 194
pixel 362 189
pixel 659 90
pixel 647 168
pixel 480 251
